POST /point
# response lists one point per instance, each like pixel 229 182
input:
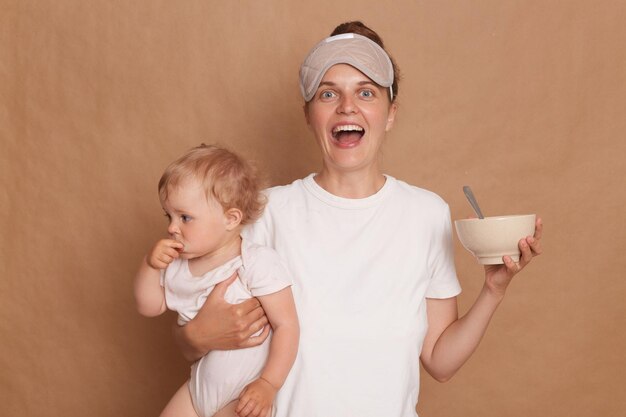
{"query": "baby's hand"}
pixel 256 399
pixel 163 253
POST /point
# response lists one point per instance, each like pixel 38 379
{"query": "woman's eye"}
pixel 367 93
pixel 327 94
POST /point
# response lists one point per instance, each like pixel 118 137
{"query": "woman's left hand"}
pixel 498 277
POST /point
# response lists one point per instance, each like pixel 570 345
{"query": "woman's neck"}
pixel 353 184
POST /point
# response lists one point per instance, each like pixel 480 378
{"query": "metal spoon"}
pixel 472 200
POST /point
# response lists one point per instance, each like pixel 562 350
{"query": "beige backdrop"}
pixel 523 100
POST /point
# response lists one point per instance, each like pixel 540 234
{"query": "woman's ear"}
pixel 232 218
pixel 391 117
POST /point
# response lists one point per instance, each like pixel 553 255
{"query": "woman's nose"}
pixel 347 105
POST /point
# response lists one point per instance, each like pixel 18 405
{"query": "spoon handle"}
pixel 472 200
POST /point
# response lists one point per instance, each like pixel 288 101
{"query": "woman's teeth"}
pixel 347 128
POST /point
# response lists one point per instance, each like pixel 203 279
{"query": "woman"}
pixel 375 284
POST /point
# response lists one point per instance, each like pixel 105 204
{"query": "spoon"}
pixel 472 200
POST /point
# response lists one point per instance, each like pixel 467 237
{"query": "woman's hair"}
pixel 225 176
pixel 359 28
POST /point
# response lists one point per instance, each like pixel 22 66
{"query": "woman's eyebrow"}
pixel 368 82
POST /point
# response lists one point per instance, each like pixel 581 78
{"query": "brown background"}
pixel 523 100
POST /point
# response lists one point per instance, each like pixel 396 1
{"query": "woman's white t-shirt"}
pixel 362 269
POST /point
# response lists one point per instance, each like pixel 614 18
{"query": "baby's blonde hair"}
pixel 225 176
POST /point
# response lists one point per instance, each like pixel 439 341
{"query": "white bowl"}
pixel 491 238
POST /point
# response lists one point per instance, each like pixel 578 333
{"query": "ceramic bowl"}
pixel 491 238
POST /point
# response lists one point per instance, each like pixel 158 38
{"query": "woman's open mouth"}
pixel 348 135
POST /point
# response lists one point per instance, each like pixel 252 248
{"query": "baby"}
pixel 208 195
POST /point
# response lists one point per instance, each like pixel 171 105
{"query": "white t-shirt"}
pixel 362 269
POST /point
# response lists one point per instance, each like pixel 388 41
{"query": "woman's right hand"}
pixel 220 325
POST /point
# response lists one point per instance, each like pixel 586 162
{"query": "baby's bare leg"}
pixel 180 405
pixel 228 411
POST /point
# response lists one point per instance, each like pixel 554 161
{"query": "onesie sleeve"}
pixel 162 280
pixel 265 272
pixel 443 280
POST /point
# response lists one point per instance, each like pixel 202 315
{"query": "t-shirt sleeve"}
pixel 260 232
pixel 443 281
pixel 266 273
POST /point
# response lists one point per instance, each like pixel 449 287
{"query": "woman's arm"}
pixel 220 325
pixel 450 340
